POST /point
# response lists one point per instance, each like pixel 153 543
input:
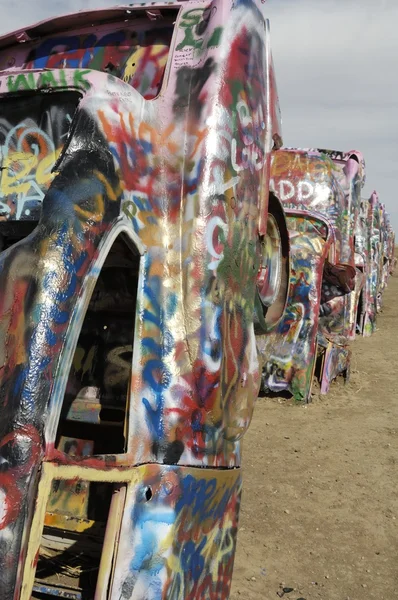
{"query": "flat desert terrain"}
pixel 319 513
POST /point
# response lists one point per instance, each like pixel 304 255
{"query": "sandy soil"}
pixel 320 495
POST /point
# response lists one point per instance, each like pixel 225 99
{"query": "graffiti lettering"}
pixel 51 79
pixel 286 190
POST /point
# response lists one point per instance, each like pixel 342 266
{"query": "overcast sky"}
pixel 336 65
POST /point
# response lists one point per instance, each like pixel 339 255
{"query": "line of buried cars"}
pixel 329 275
pixel 127 283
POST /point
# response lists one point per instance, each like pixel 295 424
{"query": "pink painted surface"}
pixel 150 125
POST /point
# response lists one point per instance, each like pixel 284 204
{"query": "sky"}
pixel 336 64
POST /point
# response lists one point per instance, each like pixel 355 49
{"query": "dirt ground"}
pixel 320 494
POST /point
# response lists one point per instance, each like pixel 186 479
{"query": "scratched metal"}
pixel 157 123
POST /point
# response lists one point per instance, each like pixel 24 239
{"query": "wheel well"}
pixel 276 209
pixel 267 316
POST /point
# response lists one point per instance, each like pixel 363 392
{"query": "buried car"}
pixel 136 145
pixel 320 194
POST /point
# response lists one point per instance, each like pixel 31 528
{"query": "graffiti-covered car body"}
pixel 136 145
pixel 387 241
pixel 362 263
pixel 375 252
pixel 383 256
pixel 374 242
pixel 350 172
pixel 319 193
pixel 392 261
pixel 389 245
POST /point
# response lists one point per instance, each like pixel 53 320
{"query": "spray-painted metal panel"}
pixel 320 192
pixel 171 520
pixel 135 183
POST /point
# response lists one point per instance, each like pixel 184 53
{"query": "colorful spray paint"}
pixel 320 193
pixel 375 244
pixel 136 147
